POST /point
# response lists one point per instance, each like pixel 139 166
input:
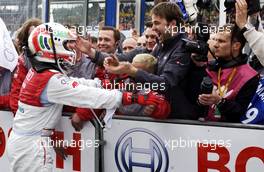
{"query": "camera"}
pixel 199 47
pixel 253 6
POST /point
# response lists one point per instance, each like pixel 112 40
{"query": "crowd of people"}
pixel 154 75
pixel 174 67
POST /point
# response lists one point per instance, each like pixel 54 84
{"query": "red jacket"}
pixel 33 87
pixel 19 75
pixel 87 114
pixel 4 101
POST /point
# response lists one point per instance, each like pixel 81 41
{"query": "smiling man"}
pixel 173 60
pixel 151 38
pixel 108 39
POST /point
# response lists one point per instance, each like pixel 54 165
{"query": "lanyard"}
pixel 230 78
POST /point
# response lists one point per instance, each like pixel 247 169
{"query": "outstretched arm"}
pixel 74 92
pixel 254 37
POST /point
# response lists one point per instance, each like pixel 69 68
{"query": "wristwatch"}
pixel 246 28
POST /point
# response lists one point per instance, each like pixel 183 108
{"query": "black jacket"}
pixel 172 69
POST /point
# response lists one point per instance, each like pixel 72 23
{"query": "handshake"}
pixel 160 108
pixel 150 98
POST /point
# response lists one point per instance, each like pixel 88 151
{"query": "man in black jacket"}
pixel 235 82
pixel 173 60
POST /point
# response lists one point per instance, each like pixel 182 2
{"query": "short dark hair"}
pixel 236 34
pixel 169 11
pixel 115 31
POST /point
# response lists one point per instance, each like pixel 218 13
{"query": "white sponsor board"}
pixel 138 146
pixel 6 119
pixel 81 145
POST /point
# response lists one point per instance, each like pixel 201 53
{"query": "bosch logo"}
pixel 140 149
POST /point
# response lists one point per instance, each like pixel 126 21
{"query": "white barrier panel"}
pixel 6 119
pixel 137 146
pixel 81 145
